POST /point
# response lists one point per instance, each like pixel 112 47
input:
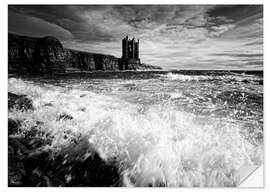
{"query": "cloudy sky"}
pixel 171 36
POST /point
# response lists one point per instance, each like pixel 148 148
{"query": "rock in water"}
pixel 19 102
pixel 78 164
pixel 16 155
pixel 13 126
pixel 64 116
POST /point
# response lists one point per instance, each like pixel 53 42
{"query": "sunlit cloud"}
pixel 171 36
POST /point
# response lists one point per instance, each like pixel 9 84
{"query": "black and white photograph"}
pixel 135 95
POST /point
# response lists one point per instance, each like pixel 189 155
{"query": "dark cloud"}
pixel 192 34
pixel 67 17
pixel 235 12
pixel 50 13
pixel 238 55
pixel 33 26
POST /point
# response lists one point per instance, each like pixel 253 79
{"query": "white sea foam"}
pixel 174 76
pixel 181 77
pixel 157 146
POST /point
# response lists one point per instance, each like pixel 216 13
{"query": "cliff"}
pixel 148 67
pixel 85 61
pixel 28 55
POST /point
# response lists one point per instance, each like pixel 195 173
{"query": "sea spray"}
pixel 158 146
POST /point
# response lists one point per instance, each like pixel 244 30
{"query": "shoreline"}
pixel 110 74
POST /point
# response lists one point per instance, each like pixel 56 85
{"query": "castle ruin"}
pixel 130 53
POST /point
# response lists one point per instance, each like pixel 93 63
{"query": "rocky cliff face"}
pixel 27 55
pixel 35 55
pixel 21 53
pixel 148 67
pixel 79 60
pixel 85 61
pixel 49 55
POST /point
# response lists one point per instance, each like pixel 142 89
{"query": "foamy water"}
pixel 175 130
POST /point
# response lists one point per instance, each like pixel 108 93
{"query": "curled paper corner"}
pixel 251 176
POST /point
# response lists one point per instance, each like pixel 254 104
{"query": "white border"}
pixel 3 87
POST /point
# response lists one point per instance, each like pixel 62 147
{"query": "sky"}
pixel 226 37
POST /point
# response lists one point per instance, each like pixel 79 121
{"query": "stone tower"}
pixel 130 53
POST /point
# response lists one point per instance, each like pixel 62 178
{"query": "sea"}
pixel 175 128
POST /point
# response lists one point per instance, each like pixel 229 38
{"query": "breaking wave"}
pixel 174 76
pixel 237 77
pixel 157 146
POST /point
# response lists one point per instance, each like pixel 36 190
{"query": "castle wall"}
pixel 130 60
pixel 136 55
pixel 130 48
pixel 124 48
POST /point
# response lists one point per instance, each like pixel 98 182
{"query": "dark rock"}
pixel 19 102
pixel 16 155
pixel 48 105
pixel 82 95
pixel 64 116
pixel 106 62
pixel 34 139
pixel 20 149
pixel 29 55
pixel 13 126
pixel 22 152
pixel 82 109
pixel 35 159
pixel 82 61
pixel 49 55
pixel 21 54
pixel 85 61
pixel 245 81
pixel 71 167
pixel 75 165
pixel 93 171
pixel 39 122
